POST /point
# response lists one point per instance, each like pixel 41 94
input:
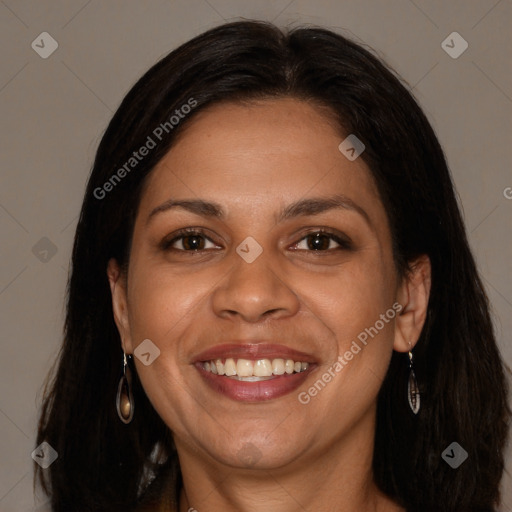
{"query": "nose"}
pixel 254 292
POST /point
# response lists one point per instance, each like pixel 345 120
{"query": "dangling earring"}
pixel 413 391
pixel 124 398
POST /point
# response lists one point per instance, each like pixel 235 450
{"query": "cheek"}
pixel 161 308
pixel 160 302
pixel 357 307
pixel 351 299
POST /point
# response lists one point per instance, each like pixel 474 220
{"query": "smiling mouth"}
pixel 253 372
pixel 247 370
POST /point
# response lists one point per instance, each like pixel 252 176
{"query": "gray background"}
pixel 54 111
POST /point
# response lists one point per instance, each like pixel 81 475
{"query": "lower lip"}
pixel 254 391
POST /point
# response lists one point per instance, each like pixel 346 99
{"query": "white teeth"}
pixel 263 368
pixel 244 368
pixel 278 366
pixel 230 367
pixel 219 365
pixel 250 379
pixel 253 371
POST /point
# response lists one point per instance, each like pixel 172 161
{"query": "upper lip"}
pixel 252 351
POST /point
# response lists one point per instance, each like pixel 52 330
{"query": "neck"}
pixel 338 478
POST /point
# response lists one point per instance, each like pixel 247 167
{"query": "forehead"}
pixel 260 155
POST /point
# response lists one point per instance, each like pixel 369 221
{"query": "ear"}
pixel 413 294
pixel 117 281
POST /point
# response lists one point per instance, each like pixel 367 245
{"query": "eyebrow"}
pixel 301 208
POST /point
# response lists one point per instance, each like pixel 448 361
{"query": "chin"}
pixel 253 450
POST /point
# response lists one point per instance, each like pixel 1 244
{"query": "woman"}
pixel 272 303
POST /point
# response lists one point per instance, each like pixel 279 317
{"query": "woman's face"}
pixel 288 258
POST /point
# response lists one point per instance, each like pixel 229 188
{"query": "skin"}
pixel 254 160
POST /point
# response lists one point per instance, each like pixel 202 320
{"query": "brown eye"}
pixel 318 242
pixel 193 242
pixel 321 242
pixel 189 241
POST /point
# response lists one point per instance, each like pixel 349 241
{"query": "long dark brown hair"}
pixel 105 465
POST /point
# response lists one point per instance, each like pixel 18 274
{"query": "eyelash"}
pixel 166 244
